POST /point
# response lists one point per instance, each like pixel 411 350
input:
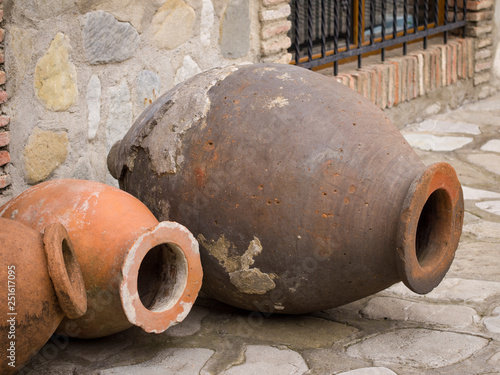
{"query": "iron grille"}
pixel 326 31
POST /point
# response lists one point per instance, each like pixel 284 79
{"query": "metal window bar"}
pixel 327 31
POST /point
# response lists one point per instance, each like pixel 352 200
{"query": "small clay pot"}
pixel 42 282
pixel 137 271
pixel 302 193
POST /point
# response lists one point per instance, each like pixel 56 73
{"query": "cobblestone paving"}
pixel 453 330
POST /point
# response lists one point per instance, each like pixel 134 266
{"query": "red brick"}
pixel 478 31
pixel 268 3
pixel 397 81
pixel 453 62
pixel 483 65
pixel 4 139
pixel 274 46
pixel 484 42
pixel 478 5
pixel 5 180
pixel 372 83
pixel 479 16
pixel 4 120
pixel 470 56
pixel 472 4
pixel 483 54
pixel 361 78
pixel 274 30
pixel 481 78
pixel 4 157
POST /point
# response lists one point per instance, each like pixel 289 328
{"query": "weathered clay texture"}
pixel 43 283
pixel 303 195
pixel 137 271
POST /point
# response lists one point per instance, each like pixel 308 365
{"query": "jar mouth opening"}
pixel 161 277
pixel 434 228
pixel 430 227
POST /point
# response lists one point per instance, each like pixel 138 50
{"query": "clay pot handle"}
pixel 429 228
pixel 64 270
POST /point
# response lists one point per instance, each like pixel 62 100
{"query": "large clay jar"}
pixel 42 283
pixel 303 195
pixel 137 271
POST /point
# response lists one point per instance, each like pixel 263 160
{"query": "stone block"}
pixel 148 87
pixel 268 360
pixel 45 151
pixel 55 76
pixel 3 96
pixel 41 10
pixel 120 114
pixel 235 29
pixel 106 40
pixel 2 77
pixel 188 69
pixel 441 314
pixel 410 346
pixel 93 106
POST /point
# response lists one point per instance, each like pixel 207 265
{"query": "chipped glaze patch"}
pixel 278 102
pixel 247 280
pixel 190 107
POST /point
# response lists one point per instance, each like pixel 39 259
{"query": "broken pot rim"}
pixel 175 308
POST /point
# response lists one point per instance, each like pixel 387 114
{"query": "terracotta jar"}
pixel 137 271
pixel 303 195
pixel 42 283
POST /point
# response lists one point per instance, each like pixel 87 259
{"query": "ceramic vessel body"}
pixel 113 234
pixel 294 185
pixel 29 304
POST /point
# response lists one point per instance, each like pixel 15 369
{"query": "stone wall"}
pixel 80 71
pixel 5 178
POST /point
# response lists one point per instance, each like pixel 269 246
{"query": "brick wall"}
pixel 273 31
pixel 407 77
pixel 5 179
pixel 480 27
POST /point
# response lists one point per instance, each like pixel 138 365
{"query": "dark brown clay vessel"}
pixel 43 284
pixel 303 195
pixel 137 271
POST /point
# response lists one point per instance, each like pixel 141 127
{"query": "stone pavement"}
pixel 453 330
